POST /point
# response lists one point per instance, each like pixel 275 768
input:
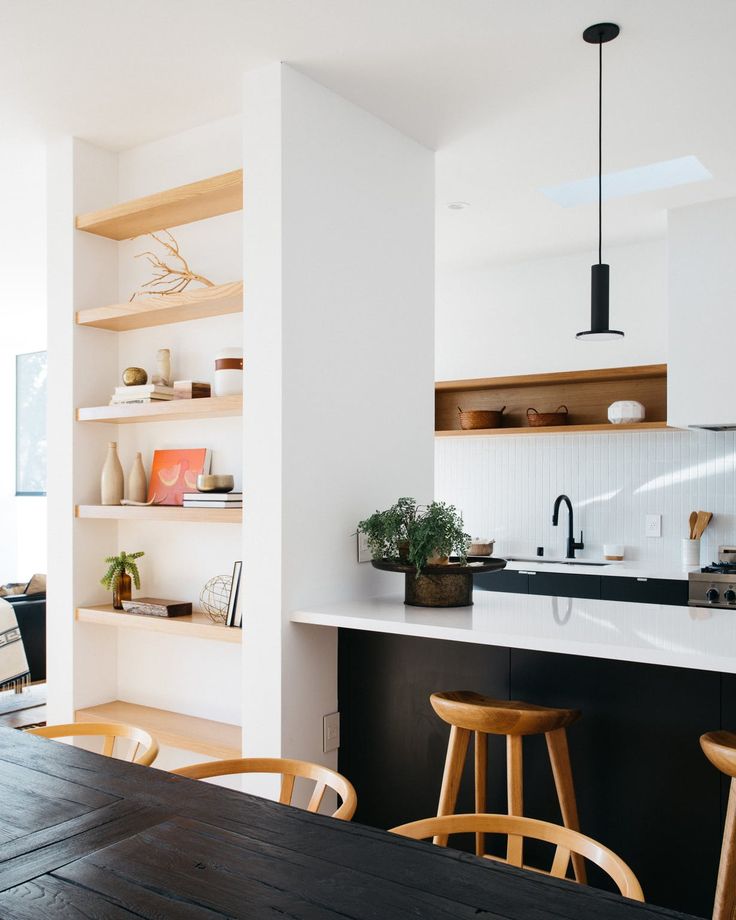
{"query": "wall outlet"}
pixel 364 553
pixel 653 525
pixel 330 732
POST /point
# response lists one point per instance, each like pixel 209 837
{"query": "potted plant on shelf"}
pixel 428 544
pixel 117 578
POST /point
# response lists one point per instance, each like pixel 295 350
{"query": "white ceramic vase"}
pixel 112 479
pixel 137 482
pixel 229 372
pixel 626 412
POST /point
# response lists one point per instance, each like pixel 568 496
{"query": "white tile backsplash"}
pixel 505 488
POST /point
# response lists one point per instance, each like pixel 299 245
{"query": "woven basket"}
pixel 474 419
pixel 547 419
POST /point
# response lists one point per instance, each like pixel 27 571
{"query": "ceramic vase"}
pixel 122 590
pixel 137 483
pixel 112 479
pixel 162 377
pixel 229 372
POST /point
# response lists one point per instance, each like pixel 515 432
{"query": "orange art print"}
pixel 174 472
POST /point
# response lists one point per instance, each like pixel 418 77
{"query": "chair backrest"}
pixel 145 749
pixel 566 842
pixel 289 770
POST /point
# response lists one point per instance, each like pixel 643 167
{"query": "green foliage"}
pixel 120 565
pixel 430 530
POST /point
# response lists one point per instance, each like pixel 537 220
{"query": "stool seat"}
pixel 720 749
pixel 479 713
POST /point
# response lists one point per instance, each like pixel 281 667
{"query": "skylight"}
pixel 667 174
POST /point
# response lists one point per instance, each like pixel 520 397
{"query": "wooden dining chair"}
pixel 720 749
pixel 323 777
pixel 566 842
pixel 145 748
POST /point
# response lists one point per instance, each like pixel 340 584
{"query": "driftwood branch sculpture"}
pixel 168 279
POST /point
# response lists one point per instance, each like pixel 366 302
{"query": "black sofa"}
pixel 30 609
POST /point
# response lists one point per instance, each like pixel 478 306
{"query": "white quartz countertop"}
pixel 624 569
pixel 687 637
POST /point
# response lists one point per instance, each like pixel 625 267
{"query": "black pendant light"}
pixel 599 34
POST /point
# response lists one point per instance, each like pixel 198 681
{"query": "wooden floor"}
pixel 23 710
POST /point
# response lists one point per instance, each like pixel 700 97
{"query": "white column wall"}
pixel 339 265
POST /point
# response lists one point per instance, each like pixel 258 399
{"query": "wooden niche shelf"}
pixel 166 308
pixel 172 208
pixel 587 395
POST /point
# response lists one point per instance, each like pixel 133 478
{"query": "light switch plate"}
pixel 330 732
pixel 653 525
pixel 364 553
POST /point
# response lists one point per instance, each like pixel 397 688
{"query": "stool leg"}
pixel 515 787
pixel 724 907
pixel 481 777
pixel 457 748
pixel 559 756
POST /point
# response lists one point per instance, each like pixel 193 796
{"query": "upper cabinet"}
pixel 702 318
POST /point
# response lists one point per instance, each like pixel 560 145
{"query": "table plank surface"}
pixel 98 838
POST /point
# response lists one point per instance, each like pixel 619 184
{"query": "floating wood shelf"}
pixel 160 513
pixel 161 310
pixel 587 395
pixel 555 429
pixel 165 410
pixel 172 208
pixel 196 626
pixel 189 733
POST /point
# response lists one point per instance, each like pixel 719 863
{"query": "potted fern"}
pixel 121 570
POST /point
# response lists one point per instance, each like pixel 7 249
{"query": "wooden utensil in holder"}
pixel 547 419
pixel 474 419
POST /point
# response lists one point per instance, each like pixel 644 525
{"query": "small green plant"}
pixel 415 533
pixel 124 564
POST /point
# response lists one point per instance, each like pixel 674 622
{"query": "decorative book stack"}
pixel 143 393
pixel 213 499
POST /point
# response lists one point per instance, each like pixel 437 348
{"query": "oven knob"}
pixel 712 595
pixel 730 596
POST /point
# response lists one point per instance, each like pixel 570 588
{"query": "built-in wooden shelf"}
pixel 163 309
pixel 160 513
pixel 172 208
pixel 555 429
pixel 196 626
pixel 165 410
pixel 587 395
pixel 202 736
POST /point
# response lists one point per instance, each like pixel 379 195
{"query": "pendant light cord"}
pixel 600 153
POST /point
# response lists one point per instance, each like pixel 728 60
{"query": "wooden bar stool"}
pixel 720 749
pixel 467 712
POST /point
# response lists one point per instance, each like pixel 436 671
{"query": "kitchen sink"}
pixel 540 560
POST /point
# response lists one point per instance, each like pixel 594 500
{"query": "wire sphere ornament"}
pixel 215 597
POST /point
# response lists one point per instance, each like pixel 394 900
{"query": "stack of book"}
pixel 144 393
pixel 213 499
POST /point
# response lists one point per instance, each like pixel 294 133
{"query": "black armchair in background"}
pixel 31 613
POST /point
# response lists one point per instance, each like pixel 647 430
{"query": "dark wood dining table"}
pixel 84 836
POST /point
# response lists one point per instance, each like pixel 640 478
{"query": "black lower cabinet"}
pixel 645 590
pixel 644 788
pixel 507 581
pixel 554 584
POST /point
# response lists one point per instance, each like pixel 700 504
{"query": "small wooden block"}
pixel 156 607
pixel 191 389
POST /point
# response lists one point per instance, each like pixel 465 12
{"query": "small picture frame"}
pixel 232 604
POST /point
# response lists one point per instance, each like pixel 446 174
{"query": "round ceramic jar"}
pixel 626 412
pixel 229 372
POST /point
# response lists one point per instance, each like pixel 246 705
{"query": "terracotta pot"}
pixel 122 590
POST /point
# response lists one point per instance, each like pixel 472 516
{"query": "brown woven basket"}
pixel 547 419
pixel 474 419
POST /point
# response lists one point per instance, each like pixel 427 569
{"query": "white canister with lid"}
pixel 229 372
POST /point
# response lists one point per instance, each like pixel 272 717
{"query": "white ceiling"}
pixel 504 91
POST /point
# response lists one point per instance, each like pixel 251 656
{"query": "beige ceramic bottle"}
pixel 137 484
pixel 112 480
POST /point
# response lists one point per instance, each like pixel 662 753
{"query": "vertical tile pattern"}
pixel 506 487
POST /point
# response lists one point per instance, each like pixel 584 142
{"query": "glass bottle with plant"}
pixel 117 578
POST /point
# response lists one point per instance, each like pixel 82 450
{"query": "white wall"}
pixel 338 256
pixel 23 311
pixel 522 318
pixel 506 487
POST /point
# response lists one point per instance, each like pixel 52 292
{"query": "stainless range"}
pixel 713 586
